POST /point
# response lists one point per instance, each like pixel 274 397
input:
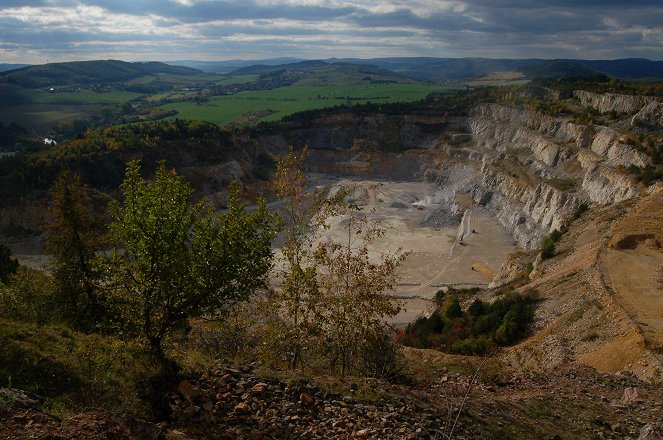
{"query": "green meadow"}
pixel 283 101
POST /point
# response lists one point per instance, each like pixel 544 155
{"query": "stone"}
pixel 630 396
pixel 241 407
pixel 648 432
pixel 187 390
pixel 258 388
pixel 306 399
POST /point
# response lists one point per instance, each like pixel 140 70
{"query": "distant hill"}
pixel 89 72
pixel 628 68
pixel 325 72
pixel 464 69
pixel 558 69
pixel 260 69
pixel 5 67
pixel 230 65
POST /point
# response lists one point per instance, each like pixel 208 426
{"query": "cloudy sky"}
pixel 37 31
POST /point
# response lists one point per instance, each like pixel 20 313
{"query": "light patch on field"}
pixel 500 79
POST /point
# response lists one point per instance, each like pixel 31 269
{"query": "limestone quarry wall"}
pixel 608 102
pixel 561 150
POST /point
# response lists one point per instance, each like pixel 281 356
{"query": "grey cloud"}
pixel 217 29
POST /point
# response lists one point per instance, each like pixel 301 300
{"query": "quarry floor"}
pixel 405 210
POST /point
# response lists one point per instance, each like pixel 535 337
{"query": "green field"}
pixel 283 101
pixel 82 97
pixel 241 79
pixel 38 119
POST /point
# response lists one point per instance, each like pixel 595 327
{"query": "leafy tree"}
pixel 174 260
pixel 72 241
pixel 353 286
pixel 295 300
pixel 8 265
pixel 331 298
pixel 454 310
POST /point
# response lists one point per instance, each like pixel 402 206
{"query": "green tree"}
pixel 8 265
pixel 72 241
pixel 174 260
pixel 454 310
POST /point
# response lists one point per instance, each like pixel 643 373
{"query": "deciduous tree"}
pixel 175 260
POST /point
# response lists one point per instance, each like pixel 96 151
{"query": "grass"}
pixel 78 98
pixel 39 118
pixel 72 370
pixel 283 101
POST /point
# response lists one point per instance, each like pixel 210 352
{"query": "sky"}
pixel 40 31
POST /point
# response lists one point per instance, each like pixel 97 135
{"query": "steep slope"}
pixel 592 312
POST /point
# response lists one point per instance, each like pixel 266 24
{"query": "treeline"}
pixel 601 84
pixel 100 156
pixel 14 138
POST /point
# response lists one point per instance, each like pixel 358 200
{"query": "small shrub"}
pixel 547 248
pixel 381 357
pixel 584 207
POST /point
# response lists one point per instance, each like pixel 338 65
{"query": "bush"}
pixel 477 330
pixel 548 245
pixel 584 207
pixel 454 310
pixel 381 357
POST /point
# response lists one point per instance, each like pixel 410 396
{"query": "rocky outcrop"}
pixel 650 115
pixel 609 102
pixel 528 211
pixel 603 184
pixel 608 143
pixel 542 168
pixel 559 130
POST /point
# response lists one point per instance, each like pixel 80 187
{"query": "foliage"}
pixel 8 265
pixel 548 244
pixel 296 299
pixel 72 240
pixel 352 288
pixel 331 297
pixel 73 370
pixel 100 156
pixel 174 260
pixel 29 297
pixel 476 330
pixel 580 210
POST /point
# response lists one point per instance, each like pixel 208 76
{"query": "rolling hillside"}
pixel 89 72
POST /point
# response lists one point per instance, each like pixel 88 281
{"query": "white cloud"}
pixel 155 29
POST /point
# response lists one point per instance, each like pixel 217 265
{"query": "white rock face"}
pixel 651 114
pixel 570 164
pixel 608 102
pixel 608 144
